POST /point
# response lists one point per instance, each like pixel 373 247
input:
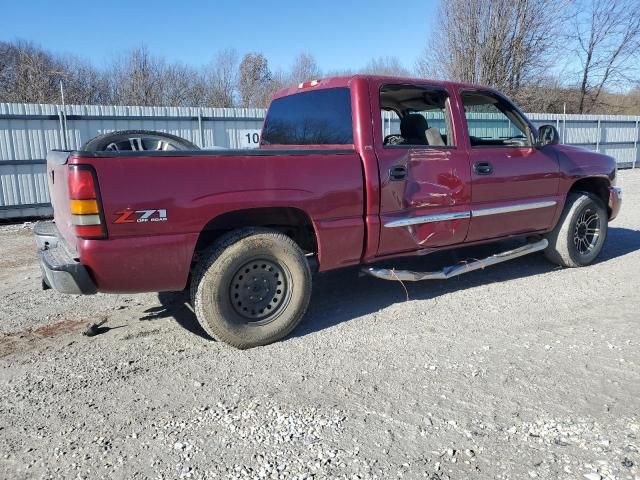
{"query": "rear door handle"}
pixel 398 172
pixel 483 168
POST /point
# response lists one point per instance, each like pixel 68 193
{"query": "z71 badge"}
pixel 141 216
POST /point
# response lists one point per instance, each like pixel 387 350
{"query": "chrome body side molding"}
pixel 481 212
pixel 520 207
pixel 441 217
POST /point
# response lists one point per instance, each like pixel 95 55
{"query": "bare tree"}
pixel 254 78
pixel 304 68
pixel 608 44
pixel 7 70
pixel 633 106
pixel 546 95
pixel 385 66
pixel 343 72
pixel 140 78
pixel 181 85
pixel 279 80
pixel 136 78
pixel 502 43
pixel 221 79
pixel 31 74
pixel 83 84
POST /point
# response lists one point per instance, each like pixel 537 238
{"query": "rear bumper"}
pixel 615 201
pixel 60 269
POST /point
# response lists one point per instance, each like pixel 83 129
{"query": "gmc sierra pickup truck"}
pixel 350 171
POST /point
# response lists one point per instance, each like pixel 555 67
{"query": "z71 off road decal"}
pixel 141 216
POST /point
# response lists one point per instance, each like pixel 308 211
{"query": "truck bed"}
pixel 192 188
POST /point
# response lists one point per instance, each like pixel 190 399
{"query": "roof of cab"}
pixel 344 81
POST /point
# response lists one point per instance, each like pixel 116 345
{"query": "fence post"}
pixel 598 136
pixel 63 128
pixel 635 144
pixel 200 128
pixel 564 122
pixel 386 122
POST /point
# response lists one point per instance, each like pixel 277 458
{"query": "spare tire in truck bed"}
pixel 137 140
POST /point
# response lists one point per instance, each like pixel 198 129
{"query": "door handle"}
pixel 398 172
pixel 483 168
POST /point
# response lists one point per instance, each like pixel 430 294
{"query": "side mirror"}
pixel 547 135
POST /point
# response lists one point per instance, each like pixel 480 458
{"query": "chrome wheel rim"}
pixel 259 290
pixel 587 231
pixel 140 144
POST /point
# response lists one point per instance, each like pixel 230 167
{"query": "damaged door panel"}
pixel 428 208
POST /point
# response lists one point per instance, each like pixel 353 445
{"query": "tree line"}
pixel 582 56
pixel 32 74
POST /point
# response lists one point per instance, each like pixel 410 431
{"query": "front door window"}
pixel 493 122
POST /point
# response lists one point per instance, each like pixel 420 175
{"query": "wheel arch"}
pixel 597 186
pixel 293 222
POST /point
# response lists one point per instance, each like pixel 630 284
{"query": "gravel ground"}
pixel 523 370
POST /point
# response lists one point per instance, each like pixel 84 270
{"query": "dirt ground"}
pixel 523 370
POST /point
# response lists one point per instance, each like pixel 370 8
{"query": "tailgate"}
pixel 59 191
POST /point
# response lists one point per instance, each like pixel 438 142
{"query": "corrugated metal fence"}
pixel 28 131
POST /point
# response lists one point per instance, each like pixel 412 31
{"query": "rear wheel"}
pixel 580 234
pixel 251 288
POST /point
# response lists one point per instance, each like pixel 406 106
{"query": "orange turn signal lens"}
pixel 84 207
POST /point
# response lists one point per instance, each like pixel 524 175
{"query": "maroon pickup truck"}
pixel 350 171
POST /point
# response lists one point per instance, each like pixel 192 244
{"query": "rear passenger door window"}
pixel 415 116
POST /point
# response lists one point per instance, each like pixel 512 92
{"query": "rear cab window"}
pixel 319 117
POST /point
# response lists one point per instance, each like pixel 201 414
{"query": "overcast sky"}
pixel 341 34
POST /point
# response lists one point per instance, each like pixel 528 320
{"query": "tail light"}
pixel 84 202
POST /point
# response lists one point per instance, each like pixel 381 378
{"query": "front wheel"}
pixel 251 288
pixel 580 234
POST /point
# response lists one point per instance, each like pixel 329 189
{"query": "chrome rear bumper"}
pixel 60 270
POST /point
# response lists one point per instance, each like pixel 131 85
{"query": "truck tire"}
pixel 251 288
pixel 578 237
pixel 137 140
